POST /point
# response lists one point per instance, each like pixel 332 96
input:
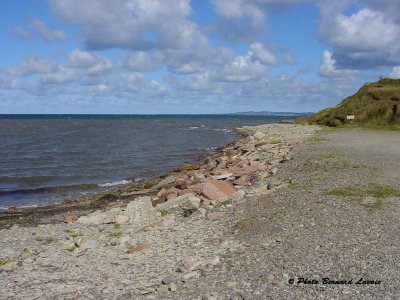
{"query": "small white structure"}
pixel 350 117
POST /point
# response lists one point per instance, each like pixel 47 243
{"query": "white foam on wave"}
pixel 114 183
pixel 194 127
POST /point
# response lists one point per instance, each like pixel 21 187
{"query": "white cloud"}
pixel 48 35
pixel 328 67
pixel 240 69
pixel 262 54
pixel 365 39
pixel 32 64
pixel 80 59
pixel 136 24
pixel 395 73
pixel 137 61
pixel 61 76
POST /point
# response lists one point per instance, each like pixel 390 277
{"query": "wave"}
pixel 114 183
pixel 58 188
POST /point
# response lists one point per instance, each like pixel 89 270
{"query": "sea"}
pixel 45 159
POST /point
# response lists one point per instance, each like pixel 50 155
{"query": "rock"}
pixel 259 135
pixel 222 176
pixel 139 248
pixel 172 287
pixel 190 263
pixel 181 183
pixel 199 176
pixel 247 170
pixel 137 193
pixel 121 219
pixel 140 212
pixel 165 182
pixel 185 277
pixel 218 190
pixel 168 279
pixel 239 195
pixel 242 180
pixel 153 225
pixel 11 209
pixel 71 219
pixel 274 171
pixel 87 243
pixel 184 202
pixel 97 218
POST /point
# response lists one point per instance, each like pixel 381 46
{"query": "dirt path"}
pixel 314 230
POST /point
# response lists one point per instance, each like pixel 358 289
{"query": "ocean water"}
pixel 46 158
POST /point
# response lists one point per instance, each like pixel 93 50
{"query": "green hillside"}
pixel 375 103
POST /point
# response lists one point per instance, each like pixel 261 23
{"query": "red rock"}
pixel 157 200
pixel 139 248
pixel 218 189
pixel 246 171
pixel 243 180
pixel 181 183
pixel 71 219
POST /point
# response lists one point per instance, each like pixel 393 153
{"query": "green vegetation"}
pixel 357 193
pixel 4 261
pixel 74 234
pixel 116 226
pixel 273 142
pixel 164 213
pixel 45 240
pixel 26 251
pixel 375 106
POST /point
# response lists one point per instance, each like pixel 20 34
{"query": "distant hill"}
pixel 376 103
pixel 271 113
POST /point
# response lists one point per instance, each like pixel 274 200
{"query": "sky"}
pixel 198 56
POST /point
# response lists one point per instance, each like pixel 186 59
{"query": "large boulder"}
pixel 218 190
pixel 165 182
pixel 140 212
pixel 181 203
pixel 97 218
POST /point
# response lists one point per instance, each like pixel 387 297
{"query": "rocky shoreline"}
pixel 148 238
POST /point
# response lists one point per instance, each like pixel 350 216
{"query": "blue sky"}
pixel 199 56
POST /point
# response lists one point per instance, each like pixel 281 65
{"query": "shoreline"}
pixel 117 196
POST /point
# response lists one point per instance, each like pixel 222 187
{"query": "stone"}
pixel 96 218
pixel 165 182
pixel 274 171
pixel 71 219
pixel 259 135
pixel 218 190
pixel 222 176
pixel 239 195
pixel 177 204
pixel 140 211
pixel 139 248
pixel 153 225
pixel 121 219
pixel 247 170
pixel 242 180
pixel 87 243
pixel 185 277
pixel 181 183
pixel 172 287
pixel 167 279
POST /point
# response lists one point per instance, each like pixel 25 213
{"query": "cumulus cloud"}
pixel 138 61
pixel 136 24
pixel 328 67
pixel 93 63
pixel 32 64
pixel 48 35
pixel 241 68
pixel 365 39
pixel 395 73
pixel 263 55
